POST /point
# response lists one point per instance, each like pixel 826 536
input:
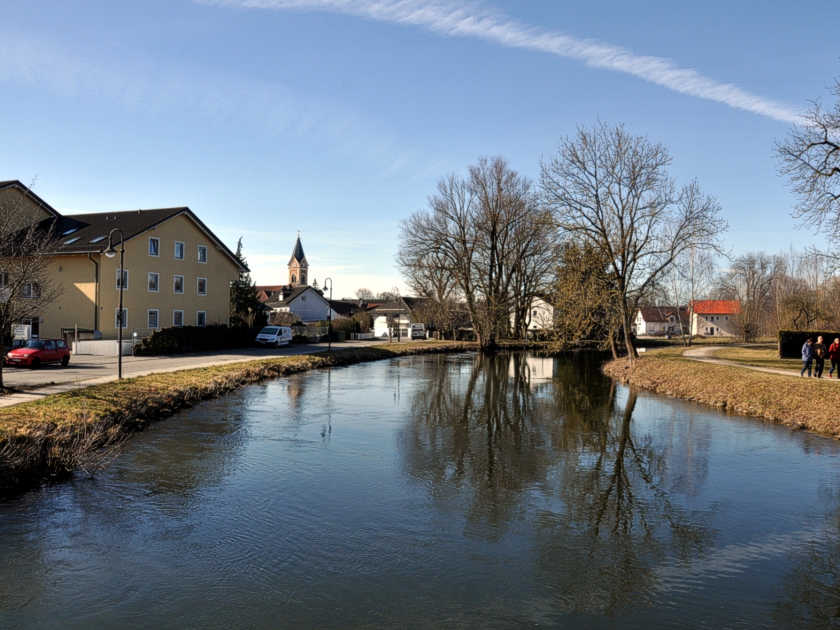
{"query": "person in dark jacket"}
pixel 819 351
pixel 834 355
pixel 807 358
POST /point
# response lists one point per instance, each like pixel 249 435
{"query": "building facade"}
pixel 176 273
pixel 714 318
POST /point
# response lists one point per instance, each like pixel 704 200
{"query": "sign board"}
pixel 22 331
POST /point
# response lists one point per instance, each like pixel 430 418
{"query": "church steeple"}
pixel 298 267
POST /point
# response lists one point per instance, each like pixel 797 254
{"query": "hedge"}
pixel 177 340
pixel 791 341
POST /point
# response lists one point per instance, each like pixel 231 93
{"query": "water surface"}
pixel 437 492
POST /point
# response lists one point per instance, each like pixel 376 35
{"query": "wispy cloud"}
pixel 457 18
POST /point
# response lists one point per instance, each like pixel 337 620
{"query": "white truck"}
pixel 418 331
pixel 276 336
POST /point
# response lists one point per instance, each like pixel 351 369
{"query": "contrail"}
pixel 456 18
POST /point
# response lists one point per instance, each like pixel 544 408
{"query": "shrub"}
pixel 176 340
pixel 791 341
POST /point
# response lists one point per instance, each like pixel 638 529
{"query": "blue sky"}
pixel 337 117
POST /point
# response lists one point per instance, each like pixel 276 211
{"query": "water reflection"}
pixel 513 433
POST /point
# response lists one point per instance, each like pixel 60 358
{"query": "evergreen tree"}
pixel 245 307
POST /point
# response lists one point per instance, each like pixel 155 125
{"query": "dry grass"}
pixel 759 356
pixel 798 403
pixel 62 433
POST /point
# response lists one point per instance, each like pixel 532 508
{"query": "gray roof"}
pixel 88 233
pixel 297 254
pixel 284 297
pixel 394 306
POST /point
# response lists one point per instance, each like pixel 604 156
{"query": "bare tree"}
pixel 428 276
pixel 610 189
pixel 750 280
pixel 388 296
pixel 26 284
pixel 364 294
pixel 482 228
pixel 688 279
pixel 810 157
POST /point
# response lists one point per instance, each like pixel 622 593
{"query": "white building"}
pixel 660 320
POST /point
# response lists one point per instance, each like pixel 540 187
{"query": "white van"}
pixel 276 336
pixel 418 331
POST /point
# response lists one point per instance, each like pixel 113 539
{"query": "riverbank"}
pixel 798 403
pixel 82 429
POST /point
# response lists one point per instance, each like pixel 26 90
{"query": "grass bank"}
pixel 759 356
pixel 798 403
pixel 81 429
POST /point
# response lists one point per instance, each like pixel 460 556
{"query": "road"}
pixel 93 370
pixel 704 354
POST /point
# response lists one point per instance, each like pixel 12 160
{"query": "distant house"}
pixel 401 310
pixel 304 301
pixel 265 292
pixel 660 320
pixel 714 317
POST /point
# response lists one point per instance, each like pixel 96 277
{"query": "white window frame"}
pixel 175 285
pixel 183 250
pixel 117 278
pixel 157 318
pixel 157 282
pixel 197 318
pixel 125 318
pixel 174 322
pixel 204 249
pixel 198 286
pixel 155 240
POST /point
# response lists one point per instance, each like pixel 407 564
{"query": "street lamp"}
pixel 110 253
pixel 329 315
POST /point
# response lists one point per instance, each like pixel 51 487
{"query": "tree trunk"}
pixel 613 347
pixel 632 355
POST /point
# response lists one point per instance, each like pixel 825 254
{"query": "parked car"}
pixel 38 352
pixel 418 331
pixel 276 336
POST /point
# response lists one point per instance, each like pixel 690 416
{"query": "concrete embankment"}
pixel 798 403
pixel 80 429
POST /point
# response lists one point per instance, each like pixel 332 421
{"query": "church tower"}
pixel 298 267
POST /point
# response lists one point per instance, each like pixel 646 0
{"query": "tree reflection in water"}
pixel 495 443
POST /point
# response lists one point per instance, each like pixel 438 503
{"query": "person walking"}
pixel 819 356
pixel 834 355
pixel 807 357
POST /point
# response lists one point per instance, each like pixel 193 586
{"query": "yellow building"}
pixel 176 271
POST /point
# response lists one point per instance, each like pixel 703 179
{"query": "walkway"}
pixel 704 355
pixel 85 371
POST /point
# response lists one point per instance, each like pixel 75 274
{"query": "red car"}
pixel 38 352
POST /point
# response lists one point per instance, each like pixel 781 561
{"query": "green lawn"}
pixel 760 356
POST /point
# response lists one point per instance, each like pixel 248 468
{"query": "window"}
pixel 50 345
pixel 179 284
pixel 303 298
pixel 60 344
pixel 202 286
pixel 117 318
pixel 4 278
pixel 154 246
pixel 152 318
pixel 154 282
pixel 534 313
pixel 68 232
pixel 179 250
pixel 31 291
pixel 294 278
pixel 202 254
pixel 97 239
pixel 124 278
pixel 72 240
pixel 177 318
pixel 201 318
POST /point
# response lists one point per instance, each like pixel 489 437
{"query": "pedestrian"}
pixel 819 351
pixel 807 357
pixel 834 355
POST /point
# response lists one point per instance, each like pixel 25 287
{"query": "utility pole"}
pixel 110 253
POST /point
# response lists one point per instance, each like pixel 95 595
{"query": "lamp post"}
pixel 329 315
pixel 399 317
pixel 110 253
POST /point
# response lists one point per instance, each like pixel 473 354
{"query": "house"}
pixel 307 303
pixel 660 320
pixel 177 272
pixel 714 317
pixel 400 311
pixel 540 317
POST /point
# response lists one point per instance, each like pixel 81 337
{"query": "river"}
pixel 459 491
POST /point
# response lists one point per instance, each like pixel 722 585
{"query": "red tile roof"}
pixel 717 307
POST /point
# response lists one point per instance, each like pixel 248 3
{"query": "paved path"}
pixel 84 371
pixel 704 354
